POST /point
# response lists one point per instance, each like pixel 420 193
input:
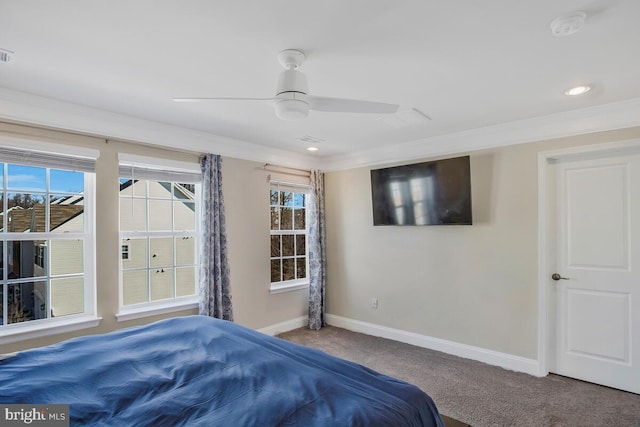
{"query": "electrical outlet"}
pixel 374 302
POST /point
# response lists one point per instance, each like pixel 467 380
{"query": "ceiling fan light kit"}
pixel 292 100
pixel 291 109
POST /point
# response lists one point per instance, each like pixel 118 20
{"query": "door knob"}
pixel 556 276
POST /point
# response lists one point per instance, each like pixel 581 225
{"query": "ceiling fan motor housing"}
pixel 292 81
pixel 291 92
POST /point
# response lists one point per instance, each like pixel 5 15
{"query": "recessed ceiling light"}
pixel 578 90
pixel 312 148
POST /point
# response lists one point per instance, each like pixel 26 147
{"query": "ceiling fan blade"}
pixel 339 105
pixel 220 99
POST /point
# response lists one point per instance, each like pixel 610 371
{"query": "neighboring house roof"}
pixel 62 210
pixel 32 219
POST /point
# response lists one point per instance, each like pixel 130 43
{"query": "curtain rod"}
pixel 285 170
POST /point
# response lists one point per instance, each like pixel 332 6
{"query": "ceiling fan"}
pixel 292 100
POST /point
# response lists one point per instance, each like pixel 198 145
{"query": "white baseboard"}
pixel 504 360
pixel 285 326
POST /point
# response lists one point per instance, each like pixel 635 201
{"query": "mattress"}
pixel 201 371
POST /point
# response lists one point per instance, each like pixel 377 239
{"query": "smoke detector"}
pixel 568 24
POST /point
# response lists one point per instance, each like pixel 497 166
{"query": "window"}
pixel 289 263
pixel 47 274
pixel 158 232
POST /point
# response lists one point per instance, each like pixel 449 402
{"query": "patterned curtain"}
pixel 317 251
pixel 215 293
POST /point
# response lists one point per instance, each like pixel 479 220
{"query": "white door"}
pixel 597 300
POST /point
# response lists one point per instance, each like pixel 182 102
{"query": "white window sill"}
pixel 45 327
pixel 147 310
pixel 293 285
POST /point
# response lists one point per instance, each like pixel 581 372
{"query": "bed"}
pixel 201 371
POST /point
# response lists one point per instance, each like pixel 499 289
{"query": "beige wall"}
pixel 475 285
pixel 247 200
pixel 247 206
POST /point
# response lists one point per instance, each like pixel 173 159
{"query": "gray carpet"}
pixel 476 393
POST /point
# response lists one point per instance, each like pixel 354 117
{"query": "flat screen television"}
pixel 429 193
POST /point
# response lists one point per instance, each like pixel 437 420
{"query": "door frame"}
pixel 546 241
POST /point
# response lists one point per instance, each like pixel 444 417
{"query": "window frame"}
pixel 158 170
pixel 52 157
pixel 292 284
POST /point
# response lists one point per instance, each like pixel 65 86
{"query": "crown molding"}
pixel 41 111
pixel 618 115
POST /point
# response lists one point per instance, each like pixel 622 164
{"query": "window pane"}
pixel 275 270
pixel 274 197
pixel 27 301
pixel 2 304
pixel 286 219
pixel 67 296
pixel 286 198
pixel 139 188
pixel 301 268
pixel 275 220
pixel 300 219
pixel 185 250
pixel 300 244
pixel 26 212
pixel 185 281
pixel 42 200
pixel 184 191
pixel 287 245
pixel 299 200
pixel 1 186
pixel 27 178
pixel 161 284
pixel 133 214
pixel 26 258
pixel 66 181
pixel 184 216
pixel 161 251
pixel 160 215
pixel 160 190
pixel 134 286
pixel 125 186
pixel 66 214
pixel 1 211
pixel 288 269
pixel 171 207
pixel 67 256
pixel 137 253
pixel 275 246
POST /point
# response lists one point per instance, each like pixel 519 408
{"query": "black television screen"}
pixel 430 193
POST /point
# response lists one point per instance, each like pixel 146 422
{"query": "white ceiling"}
pixel 466 64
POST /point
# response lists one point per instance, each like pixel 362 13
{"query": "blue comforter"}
pixel 200 371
